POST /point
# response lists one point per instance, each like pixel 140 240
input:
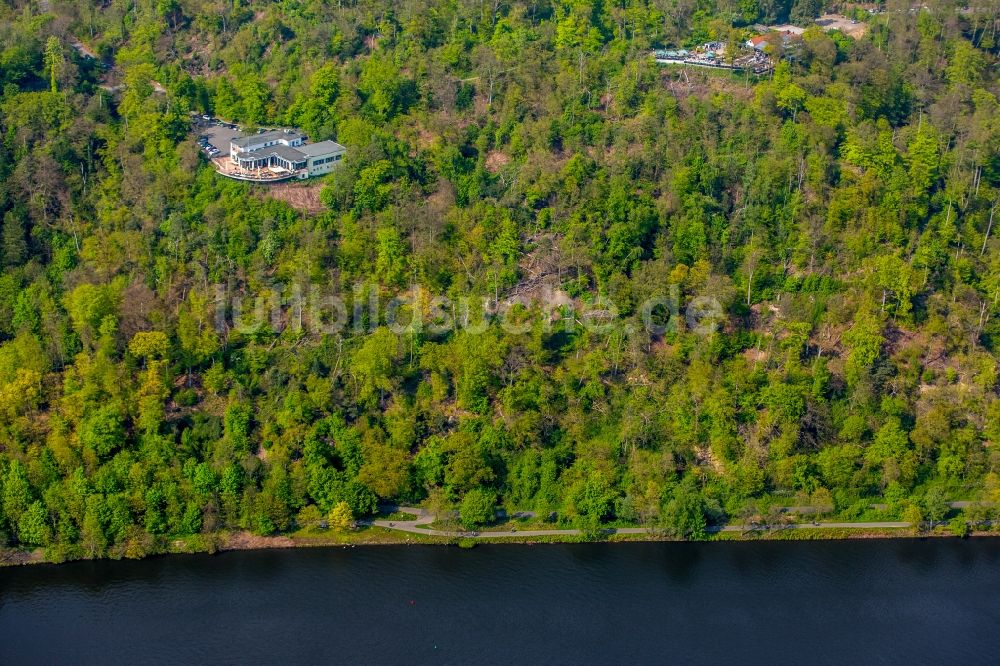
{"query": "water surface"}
pixel 868 601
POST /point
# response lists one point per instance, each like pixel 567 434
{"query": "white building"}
pixel 279 155
pixel 322 157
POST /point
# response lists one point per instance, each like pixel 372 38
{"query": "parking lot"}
pixel 847 26
pixel 214 136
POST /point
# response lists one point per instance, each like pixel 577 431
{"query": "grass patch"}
pixel 815 534
pixel 397 516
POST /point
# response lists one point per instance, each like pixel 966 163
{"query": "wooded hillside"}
pixel 839 212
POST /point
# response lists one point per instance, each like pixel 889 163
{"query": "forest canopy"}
pixel 834 215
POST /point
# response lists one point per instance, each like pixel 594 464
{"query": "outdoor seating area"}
pixel 261 174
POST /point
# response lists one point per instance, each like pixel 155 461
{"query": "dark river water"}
pixel 933 601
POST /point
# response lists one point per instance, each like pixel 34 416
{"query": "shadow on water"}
pixel 680 561
pixel 963 553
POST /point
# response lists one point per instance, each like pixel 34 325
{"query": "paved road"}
pixel 961 504
pixel 422 519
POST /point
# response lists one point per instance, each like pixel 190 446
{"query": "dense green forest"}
pixel 837 213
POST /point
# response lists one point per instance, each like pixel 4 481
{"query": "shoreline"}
pixel 375 535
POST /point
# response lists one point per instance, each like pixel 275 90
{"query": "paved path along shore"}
pixel 419 525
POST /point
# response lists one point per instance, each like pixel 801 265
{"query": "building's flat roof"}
pixel 285 152
pixel 321 148
pixel 270 135
pixel 791 29
pixel 281 150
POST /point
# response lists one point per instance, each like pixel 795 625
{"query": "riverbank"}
pixel 413 532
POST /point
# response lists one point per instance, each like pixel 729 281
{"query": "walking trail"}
pixel 422 519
